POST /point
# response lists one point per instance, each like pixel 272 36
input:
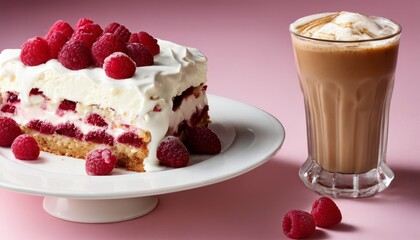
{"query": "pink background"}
pixel 250 60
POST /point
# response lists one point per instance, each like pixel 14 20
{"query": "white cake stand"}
pixel 249 138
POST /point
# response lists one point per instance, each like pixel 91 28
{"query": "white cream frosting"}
pixel 175 69
pixel 343 26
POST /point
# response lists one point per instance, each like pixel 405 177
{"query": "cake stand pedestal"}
pixel 99 210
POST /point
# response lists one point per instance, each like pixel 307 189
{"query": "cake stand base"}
pixel 99 211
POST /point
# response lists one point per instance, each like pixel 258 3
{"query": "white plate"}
pixel 249 138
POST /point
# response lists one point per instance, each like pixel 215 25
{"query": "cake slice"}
pixel 73 111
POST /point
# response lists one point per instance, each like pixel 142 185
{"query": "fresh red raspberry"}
pixel 56 41
pixel 69 129
pixel 9 130
pixel 298 224
pixel 8 108
pixel 88 33
pixel 60 26
pixel 140 54
pixel 75 55
pixel 96 120
pixel 130 138
pixel 203 140
pixel 326 213
pixel 147 40
pixel 119 66
pixel 83 21
pixel 100 162
pixel 106 44
pixel 35 51
pixel 25 147
pixel 41 126
pixel 118 30
pixel 171 152
pixel 100 136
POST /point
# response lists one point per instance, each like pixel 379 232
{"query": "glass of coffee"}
pixel 346 65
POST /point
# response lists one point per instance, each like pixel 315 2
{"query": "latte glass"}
pixel 347 88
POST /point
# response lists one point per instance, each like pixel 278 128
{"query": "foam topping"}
pixel 343 26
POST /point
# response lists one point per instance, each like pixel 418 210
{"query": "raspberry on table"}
pixel 203 140
pixel 9 130
pixel 104 46
pixel 326 213
pixel 75 55
pixel 147 40
pixel 171 152
pixel 100 162
pixel 56 41
pixel 25 147
pixel 140 54
pixel 88 33
pixel 298 224
pixel 35 51
pixel 118 30
pixel 119 66
pixel 60 26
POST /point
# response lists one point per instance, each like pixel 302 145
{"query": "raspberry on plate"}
pixel 35 51
pixel 119 66
pixel 325 212
pixel 9 130
pixel 171 152
pixel 106 44
pixel 75 55
pixel 100 162
pixel 298 224
pixel 203 140
pixel 25 147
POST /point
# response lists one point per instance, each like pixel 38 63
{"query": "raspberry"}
pixel 298 224
pixel 12 97
pixel 67 105
pixel 41 126
pixel 106 44
pixel 325 212
pixel 60 26
pixel 130 138
pixel 100 162
pixel 100 136
pixel 147 40
pixel 69 129
pixel 56 42
pixel 88 33
pixel 118 30
pixel 96 120
pixel 25 147
pixel 35 51
pixel 9 130
pixel 140 54
pixel 8 108
pixel 119 66
pixel 75 55
pixel 83 21
pixel 203 140
pixel 171 152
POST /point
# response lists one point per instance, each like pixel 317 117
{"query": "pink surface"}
pixel 250 60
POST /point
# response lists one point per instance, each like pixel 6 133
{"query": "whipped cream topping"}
pixel 343 26
pixel 175 69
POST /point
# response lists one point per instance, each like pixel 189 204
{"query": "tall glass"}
pixel 347 88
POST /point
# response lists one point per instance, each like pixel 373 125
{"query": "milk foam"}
pixel 343 26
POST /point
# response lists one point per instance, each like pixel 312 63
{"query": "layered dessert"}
pixel 83 95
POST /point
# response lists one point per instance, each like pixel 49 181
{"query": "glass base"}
pixel 345 185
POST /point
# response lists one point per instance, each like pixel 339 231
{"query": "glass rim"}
pixel 398 32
